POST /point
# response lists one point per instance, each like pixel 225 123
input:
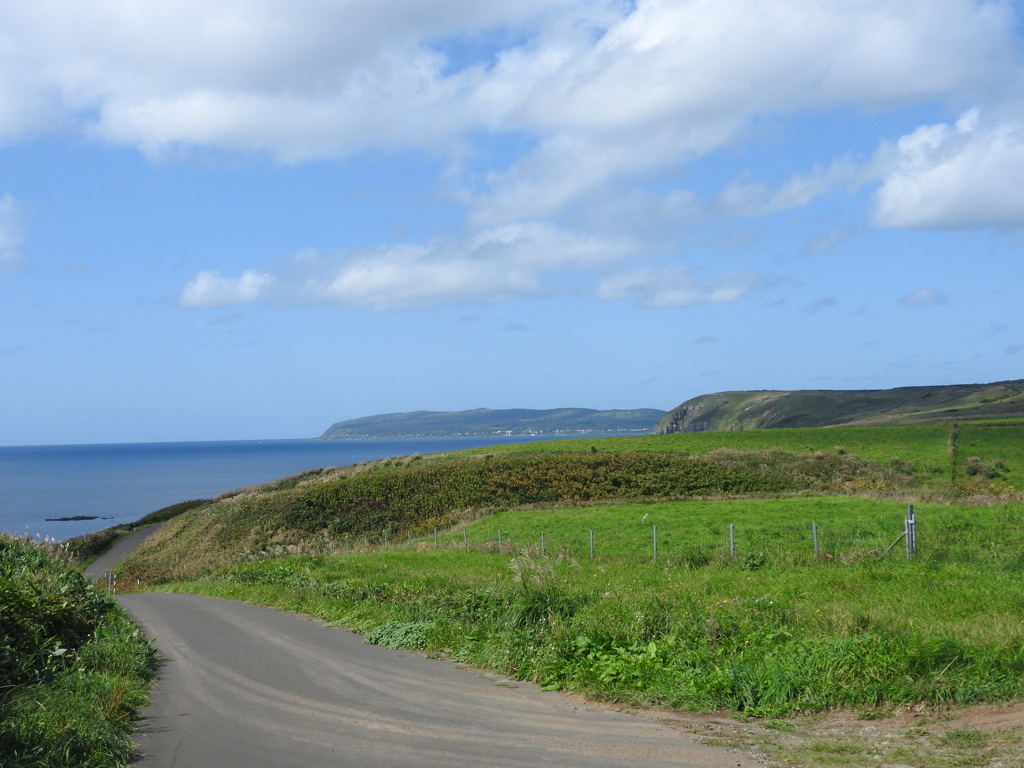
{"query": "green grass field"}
pixel 923 446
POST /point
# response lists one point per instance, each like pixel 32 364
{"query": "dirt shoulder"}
pixel 987 736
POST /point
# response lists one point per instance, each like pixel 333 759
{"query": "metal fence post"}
pixel 732 541
pixel 543 548
pixel 465 539
pixel 591 543
pixel 655 543
pixel 814 530
pixel 910 526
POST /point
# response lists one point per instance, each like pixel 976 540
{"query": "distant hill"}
pixel 725 411
pixel 484 422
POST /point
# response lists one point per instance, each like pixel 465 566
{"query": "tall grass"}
pixel 73 668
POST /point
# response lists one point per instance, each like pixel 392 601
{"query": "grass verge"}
pixel 73 668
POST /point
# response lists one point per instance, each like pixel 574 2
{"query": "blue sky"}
pixel 243 220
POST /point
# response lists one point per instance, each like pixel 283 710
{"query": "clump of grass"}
pixel 73 668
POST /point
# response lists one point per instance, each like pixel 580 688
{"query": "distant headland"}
pixel 484 422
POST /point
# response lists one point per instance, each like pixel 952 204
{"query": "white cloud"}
pixel 924 298
pixel 743 198
pixel 12 233
pixel 613 99
pixel 312 78
pixel 965 175
pixel 489 265
pixel 677 287
pixel 210 289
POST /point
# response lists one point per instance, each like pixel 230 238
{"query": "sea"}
pixel 120 483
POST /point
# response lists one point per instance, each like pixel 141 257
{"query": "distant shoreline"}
pixel 560 433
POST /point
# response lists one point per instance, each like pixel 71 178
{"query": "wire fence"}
pixel 750 544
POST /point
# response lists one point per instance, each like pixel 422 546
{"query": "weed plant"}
pixel 73 668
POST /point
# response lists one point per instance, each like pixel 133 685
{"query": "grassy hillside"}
pixel 992 451
pixel 724 411
pixel 487 422
pixel 415 495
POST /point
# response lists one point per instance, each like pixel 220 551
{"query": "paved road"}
pixel 110 559
pixel 248 687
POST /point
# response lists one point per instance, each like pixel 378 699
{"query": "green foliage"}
pixel 399 635
pixel 171 512
pixel 921 448
pixel 87 548
pixel 72 666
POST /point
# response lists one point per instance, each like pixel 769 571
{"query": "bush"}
pixel 73 668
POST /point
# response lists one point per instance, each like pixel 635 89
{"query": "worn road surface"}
pixel 110 559
pixel 249 687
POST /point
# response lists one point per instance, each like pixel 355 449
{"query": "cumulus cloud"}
pixel 924 298
pixel 12 233
pixel 609 99
pixel 211 289
pixel 677 287
pixel 964 175
pixel 314 79
pixel 490 265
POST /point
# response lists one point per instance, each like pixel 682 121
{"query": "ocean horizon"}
pixel 117 483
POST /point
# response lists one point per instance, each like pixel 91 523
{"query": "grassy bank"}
pixel 415 495
pixel 769 635
pixel 983 451
pixel 73 668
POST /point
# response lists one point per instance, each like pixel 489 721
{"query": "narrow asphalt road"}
pixel 113 556
pixel 244 686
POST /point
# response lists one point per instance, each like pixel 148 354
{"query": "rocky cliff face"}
pixel 682 419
